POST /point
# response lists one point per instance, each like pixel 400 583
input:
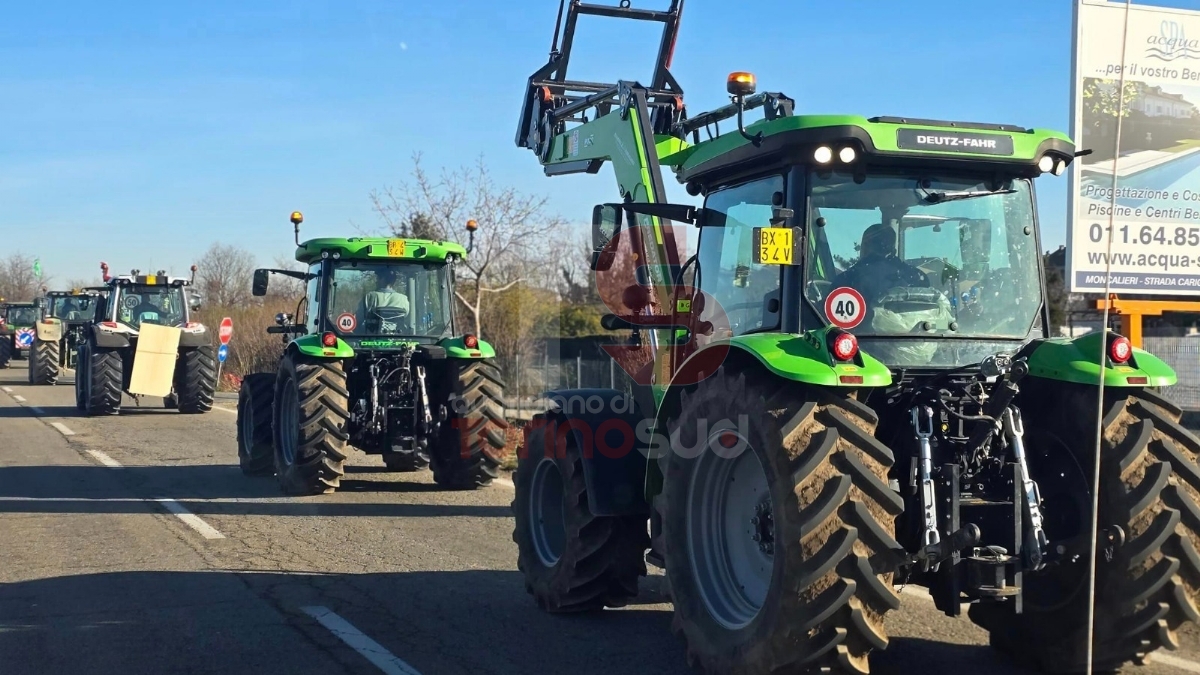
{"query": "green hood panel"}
pixel 455 349
pixel 804 358
pixel 310 345
pixel 376 248
pixel 1078 360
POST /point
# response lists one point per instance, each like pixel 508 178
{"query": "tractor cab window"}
pixel 407 299
pixel 22 316
pixel 737 290
pixel 72 307
pixel 931 256
pixel 158 305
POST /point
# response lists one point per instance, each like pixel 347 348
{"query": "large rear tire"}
pixel 196 380
pixel 44 366
pixel 467 455
pixel 1150 488
pixel 256 453
pixel 309 423
pixel 775 505
pixel 572 561
pixel 103 381
pixel 6 350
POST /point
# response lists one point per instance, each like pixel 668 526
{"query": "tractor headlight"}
pixel 1060 167
pixel 823 155
pixel 1046 164
pixel 847 155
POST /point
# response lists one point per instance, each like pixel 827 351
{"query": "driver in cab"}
pixel 385 310
pixel 878 269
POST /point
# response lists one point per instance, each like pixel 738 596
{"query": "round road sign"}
pixel 222 353
pixel 347 322
pixel 226 330
pixel 845 307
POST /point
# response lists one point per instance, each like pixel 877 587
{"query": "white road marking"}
pixel 224 409
pixel 505 482
pixel 18 399
pixel 36 410
pixel 190 519
pixel 103 458
pixel 373 651
pixel 7 390
pixel 62 429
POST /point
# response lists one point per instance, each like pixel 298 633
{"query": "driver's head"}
pixel 879 241
pixel 386 277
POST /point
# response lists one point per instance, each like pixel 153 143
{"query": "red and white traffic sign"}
pixel 226 330
pixel 347 322
pixel 845 307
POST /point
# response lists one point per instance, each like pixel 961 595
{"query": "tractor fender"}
pixel 49 330
pixel 605 425
pixel 456 348
pixel 310 345
pixel 109 339
pixel 194 337
pixel 1078 360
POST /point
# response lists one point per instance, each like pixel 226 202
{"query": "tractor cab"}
pixel 137 299
pixel 18 315
pixel 71 306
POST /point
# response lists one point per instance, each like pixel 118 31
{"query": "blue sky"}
pixel 140 132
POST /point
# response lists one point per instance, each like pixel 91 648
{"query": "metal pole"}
pixel 579 371
pixel 612 374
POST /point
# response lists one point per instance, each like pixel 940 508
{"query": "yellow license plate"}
pixel 395 248
pixel 773 245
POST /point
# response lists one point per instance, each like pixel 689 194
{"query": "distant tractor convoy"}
pixel 17 322
pixel 850 385
pixel 61 329
pixel 373 358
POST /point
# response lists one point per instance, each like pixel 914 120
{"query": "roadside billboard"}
pixel 1156 222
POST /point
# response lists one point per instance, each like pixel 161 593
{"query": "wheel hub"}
pixel 547 515
pixel 763 527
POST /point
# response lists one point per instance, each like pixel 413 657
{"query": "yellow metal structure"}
pixel 1132 311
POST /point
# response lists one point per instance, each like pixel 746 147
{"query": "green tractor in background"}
pixel 372 359
pixel 17 328
pixel 851 385
pixel 62 328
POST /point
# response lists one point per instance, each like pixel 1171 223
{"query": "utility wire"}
pixel 1112 209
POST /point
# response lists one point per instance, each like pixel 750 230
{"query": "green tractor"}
pixel 851 385
pixel 17 327
pixel 144 340
pixel 65 318
pixel 372 359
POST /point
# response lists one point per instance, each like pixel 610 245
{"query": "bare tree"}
pixel 282 287
pixel 17 280
pixel 512 235
pixel 224 275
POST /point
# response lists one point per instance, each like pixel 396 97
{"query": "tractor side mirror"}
pixel 259 287
pixel 606 222
pixel 283 319
pixel 195 300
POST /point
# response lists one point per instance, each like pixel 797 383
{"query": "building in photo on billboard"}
pixel 1156 220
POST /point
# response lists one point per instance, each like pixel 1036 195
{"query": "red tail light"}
pixel 329 339
pixel 1120 349
pixel 843 345
pixel 471 341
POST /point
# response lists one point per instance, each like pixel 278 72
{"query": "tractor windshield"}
pixel 72 307
pixel 407 299
pixel 21 316
pixel 929 257
pixel 159 305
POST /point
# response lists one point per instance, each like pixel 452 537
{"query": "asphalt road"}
pixel 133 544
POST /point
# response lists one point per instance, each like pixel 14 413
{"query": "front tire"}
pixel 103 380
pixel 406 462
pixel 572 561
pixel 6 350
pixel 196 380
pixel 1150 488
pixel 467 455
pixel 309 422
pixel 775 503
pixel 256 453
pixel 44 366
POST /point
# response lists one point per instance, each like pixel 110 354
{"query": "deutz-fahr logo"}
pixel 386 343
pixel 954 141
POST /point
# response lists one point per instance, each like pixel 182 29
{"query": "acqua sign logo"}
pixel 1172 43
